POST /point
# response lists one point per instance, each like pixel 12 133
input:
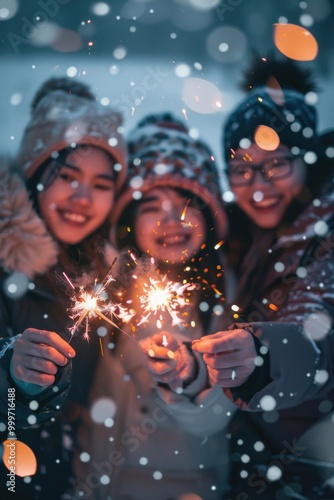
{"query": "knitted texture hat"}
pixel 64 114
pixel 162 154
pixel 279 99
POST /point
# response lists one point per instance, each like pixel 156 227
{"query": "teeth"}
pixel 266 202
pixel 74 217
pixel 170 240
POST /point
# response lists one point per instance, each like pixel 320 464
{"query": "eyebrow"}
pixel 279 155
pixel 77 169
pixel 148 200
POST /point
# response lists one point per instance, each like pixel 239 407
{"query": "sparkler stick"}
pixel 101 315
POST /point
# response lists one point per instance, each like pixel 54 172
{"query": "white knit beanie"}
pixel 162 153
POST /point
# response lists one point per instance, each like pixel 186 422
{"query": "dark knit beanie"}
pixel 162 154
pixel 279 98
pixel 64 114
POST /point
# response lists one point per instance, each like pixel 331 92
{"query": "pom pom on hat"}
pixel 277 98
pixel 65 84
pixel 64 115
pixel 162 154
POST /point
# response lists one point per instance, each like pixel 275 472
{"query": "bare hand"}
pixel 168 360
pixel 37 356
pixel 229 356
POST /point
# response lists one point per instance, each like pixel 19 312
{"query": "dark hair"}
pixel 288 73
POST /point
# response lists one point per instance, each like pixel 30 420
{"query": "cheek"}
pixel 144 229
pixel 290 188
pixel 46 203
pixel 201 227
pixel 241 196
pixel 145 225
pixel 105 204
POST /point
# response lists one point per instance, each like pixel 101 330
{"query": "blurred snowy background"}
pixel 143 56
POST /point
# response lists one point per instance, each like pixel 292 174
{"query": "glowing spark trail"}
pixel 89 305
pixel 161 295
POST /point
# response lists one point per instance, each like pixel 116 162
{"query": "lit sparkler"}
pixel 90 305
pixel 159 295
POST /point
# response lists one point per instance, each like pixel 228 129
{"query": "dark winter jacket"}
pixel 30 297
pixel 283 439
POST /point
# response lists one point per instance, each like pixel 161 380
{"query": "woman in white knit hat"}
pixel 167 436
pixel 55 216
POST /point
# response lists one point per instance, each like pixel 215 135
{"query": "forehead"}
pixel 81 154
pixel 255 153
pixel 162 193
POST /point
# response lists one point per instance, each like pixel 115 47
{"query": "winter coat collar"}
pixel 25 243
pixel 314 225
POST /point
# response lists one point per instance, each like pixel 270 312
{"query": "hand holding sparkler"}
pixel 37 356
pixel 229 355
pixel 169 361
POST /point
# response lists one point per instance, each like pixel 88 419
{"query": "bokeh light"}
pixel 317 325
pixel 233 42
pixel 102 409
pixel 100 8
pixel 202 96
pixel 25 460
pixel 266 138
pixel 295 42
pixel 16 285
pixel 67 41
pixel 8 9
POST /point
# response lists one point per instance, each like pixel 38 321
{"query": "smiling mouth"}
pixel 176 239
pixel 74 217
pixel 267 202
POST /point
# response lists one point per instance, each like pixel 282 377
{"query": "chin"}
pixel 70 241
pixel 266 225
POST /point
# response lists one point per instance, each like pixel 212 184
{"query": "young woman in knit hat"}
pixel 276 362
pixel 168 436
pixel 55 217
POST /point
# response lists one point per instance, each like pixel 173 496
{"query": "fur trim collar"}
pixel 25 243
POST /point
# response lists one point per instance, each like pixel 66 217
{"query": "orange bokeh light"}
pixel 274 90
pixel 19 458
pixel 266 138
pixel 295 42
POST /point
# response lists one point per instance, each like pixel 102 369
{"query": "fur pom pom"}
pixel 25 244
pixel 68 85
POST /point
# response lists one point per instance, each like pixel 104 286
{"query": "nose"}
pixel 260 178
pixel 82 194
pixel 172 214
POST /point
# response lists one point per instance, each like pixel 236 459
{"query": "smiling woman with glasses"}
pixel 265 183
pixel 271 360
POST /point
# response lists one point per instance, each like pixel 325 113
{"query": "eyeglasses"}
pixel 272 169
